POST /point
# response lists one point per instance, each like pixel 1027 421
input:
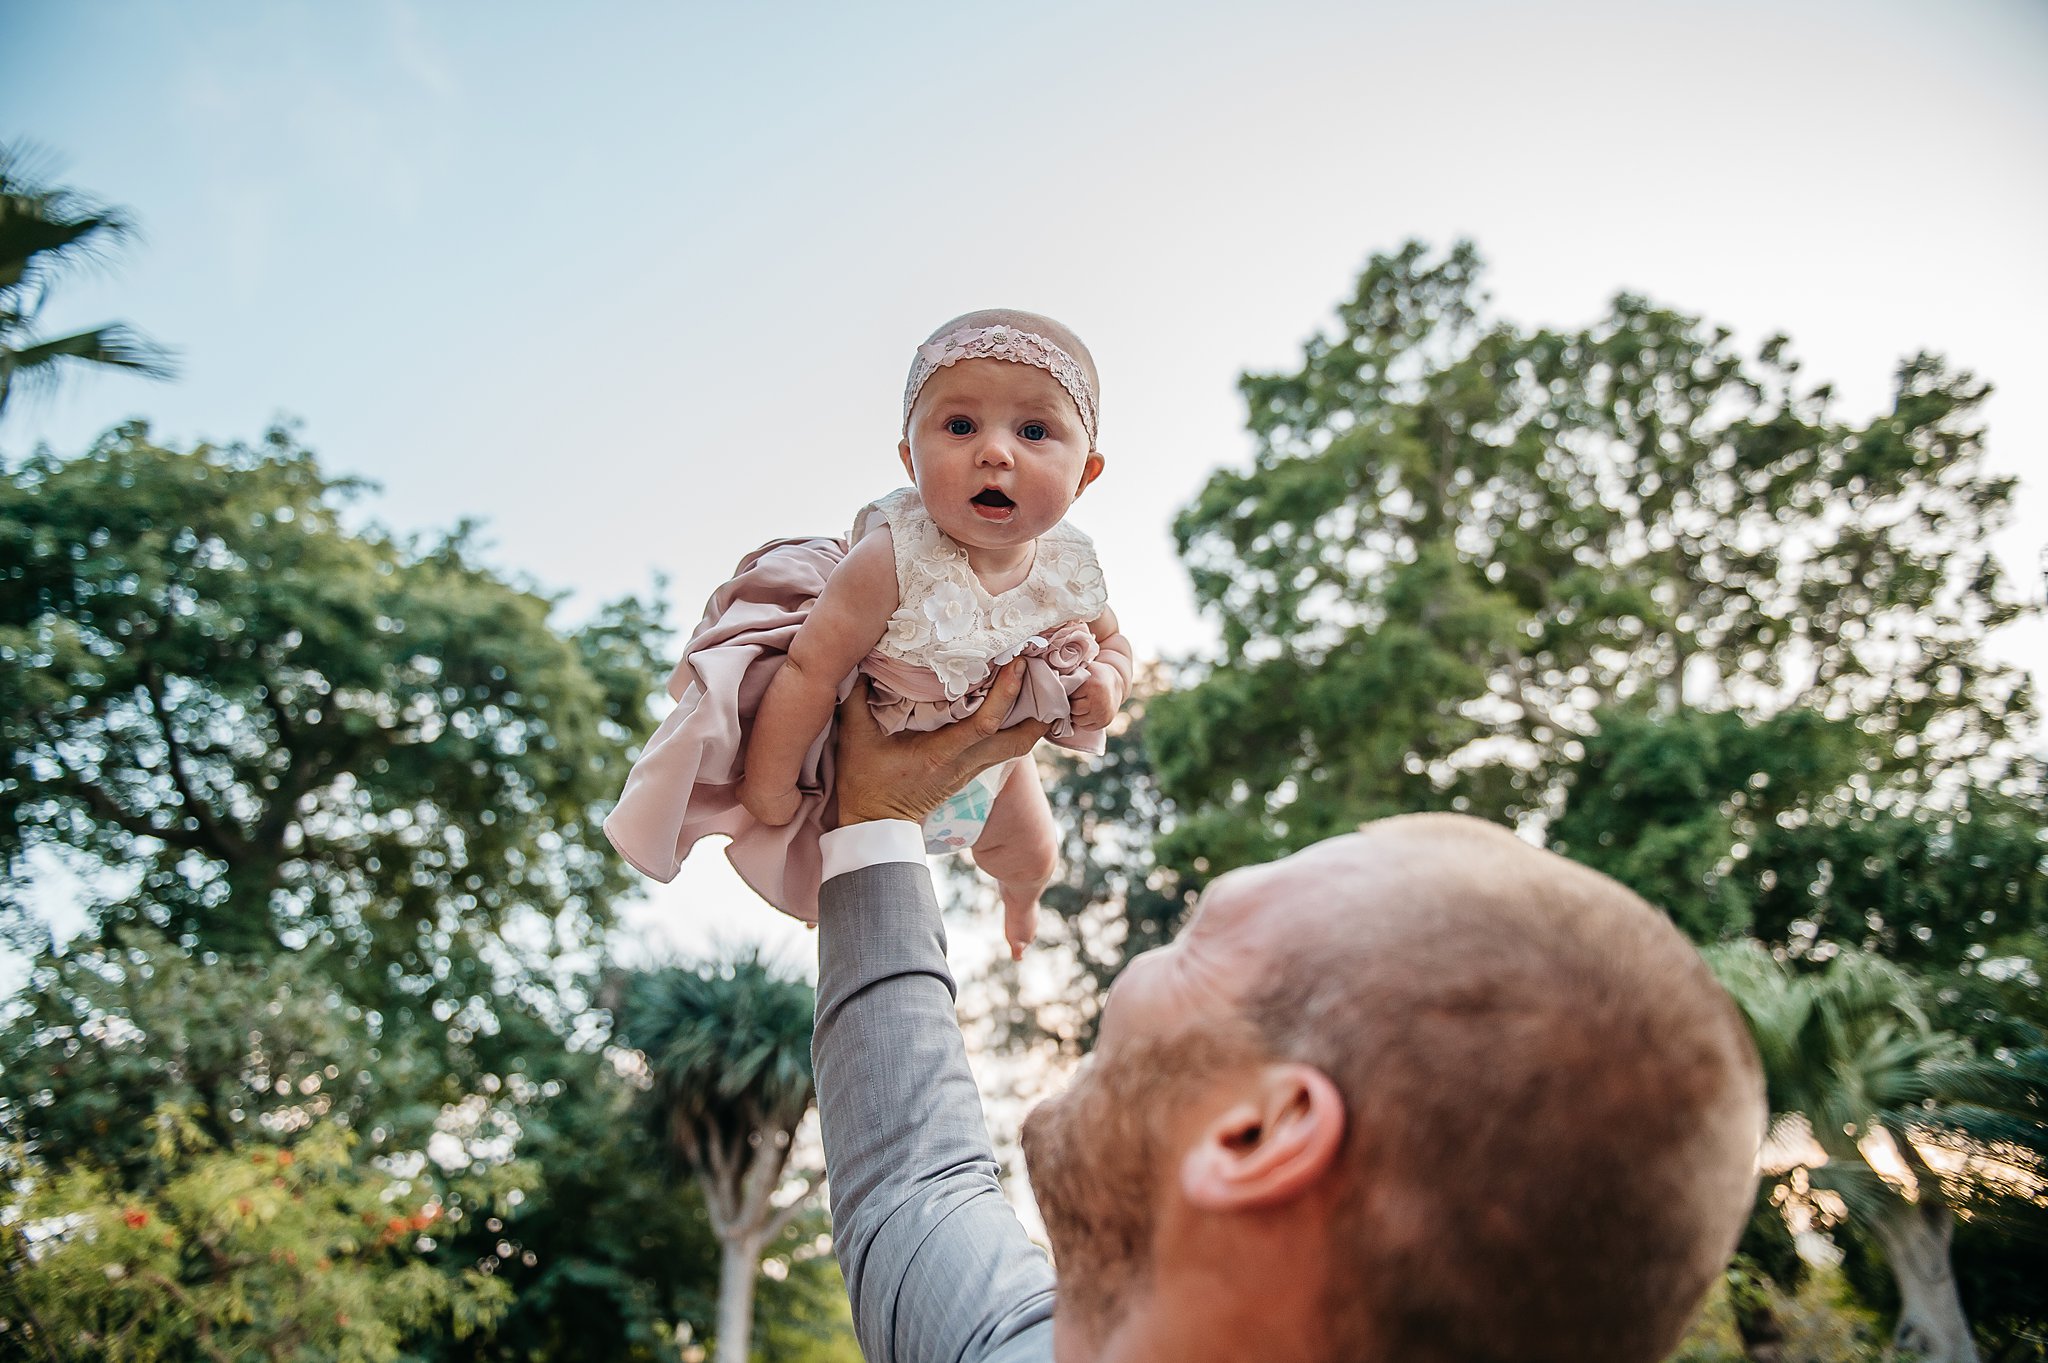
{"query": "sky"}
pixel 636 284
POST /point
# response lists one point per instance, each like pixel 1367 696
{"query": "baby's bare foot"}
pixel 1020 919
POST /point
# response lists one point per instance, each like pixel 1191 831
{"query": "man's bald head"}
pixel 1554 1110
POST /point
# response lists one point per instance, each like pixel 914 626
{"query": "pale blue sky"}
pixel 637 283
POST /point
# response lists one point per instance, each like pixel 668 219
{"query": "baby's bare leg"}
pixel 1020 847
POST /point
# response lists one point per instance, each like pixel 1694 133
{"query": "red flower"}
pixel 136 1219
pixel 284 1157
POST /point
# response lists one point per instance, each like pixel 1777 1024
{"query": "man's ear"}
pixel 903 453
pixel 1090 471
pixel 1274 1143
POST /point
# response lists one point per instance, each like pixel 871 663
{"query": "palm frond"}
pixel 36 365
pixel 2017 1084
pixel 728 1049
pixel 45 228
pixel 1866 1194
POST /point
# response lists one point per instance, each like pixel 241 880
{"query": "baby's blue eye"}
pixel 960 425
pixel 1034 430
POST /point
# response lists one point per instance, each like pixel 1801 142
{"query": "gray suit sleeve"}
pixel 936 1262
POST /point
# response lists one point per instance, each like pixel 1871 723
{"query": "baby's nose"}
pixel 996 450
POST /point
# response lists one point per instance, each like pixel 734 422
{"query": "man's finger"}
pixel 988 720
pixel 854 709
pixel 1005 744
pixel 995 708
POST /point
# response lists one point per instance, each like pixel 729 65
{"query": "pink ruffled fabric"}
pixel 686 784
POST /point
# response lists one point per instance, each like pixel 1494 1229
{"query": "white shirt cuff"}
pixel 870 844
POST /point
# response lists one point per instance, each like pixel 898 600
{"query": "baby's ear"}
pixel 903 453
pixel 1090 471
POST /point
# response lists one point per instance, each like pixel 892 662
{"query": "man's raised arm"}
pixel 938 1268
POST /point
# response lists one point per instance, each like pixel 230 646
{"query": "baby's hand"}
pixel 1098 699
pixel 774 808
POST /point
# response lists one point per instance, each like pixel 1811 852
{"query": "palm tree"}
pixel 44 230
pixel 1849 1055
pixel 728 1050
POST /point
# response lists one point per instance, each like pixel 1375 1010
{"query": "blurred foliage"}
pixel 803 1315
pixel 1759 827
pixel 186 1147
pixel 1912 1130
pixel 1111 898
pixel 1819 1321
pixel 727 1048
pixel 1767 1266
pixel 329 804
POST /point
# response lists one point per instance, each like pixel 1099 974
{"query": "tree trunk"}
pixel 739 1260
pixel 1916 1239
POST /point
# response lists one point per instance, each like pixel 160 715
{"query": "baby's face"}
pixel 997 451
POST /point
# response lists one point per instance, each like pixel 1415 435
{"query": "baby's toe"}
pixel 1020 927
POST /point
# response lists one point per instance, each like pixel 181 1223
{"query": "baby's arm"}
pixel 846 622
pixel 1109 676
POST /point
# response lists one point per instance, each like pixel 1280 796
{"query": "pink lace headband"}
pixel 1002 343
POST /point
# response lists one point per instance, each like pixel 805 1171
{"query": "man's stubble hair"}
pixel 1094 1156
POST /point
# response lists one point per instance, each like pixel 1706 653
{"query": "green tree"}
pixel 1850 1056
pixel 45 231
pixel 279 752
pixel 250 728
pixel 728 1056
pixel 1624 585
pixel 184 1150
pixel 1768 827
pixel 1461 542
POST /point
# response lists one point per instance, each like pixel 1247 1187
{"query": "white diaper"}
pixel 955 825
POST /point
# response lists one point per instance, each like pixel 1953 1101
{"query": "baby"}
pixel 937 586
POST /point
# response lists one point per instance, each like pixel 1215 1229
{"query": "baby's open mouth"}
pixel 992 497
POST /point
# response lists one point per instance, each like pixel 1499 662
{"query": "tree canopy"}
pixel 247 724
pixel 332 803
pixel 1460 541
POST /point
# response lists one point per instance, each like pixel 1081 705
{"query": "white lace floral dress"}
pixel 933 665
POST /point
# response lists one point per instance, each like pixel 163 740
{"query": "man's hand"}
pixel 1096 701
pixel 908 775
